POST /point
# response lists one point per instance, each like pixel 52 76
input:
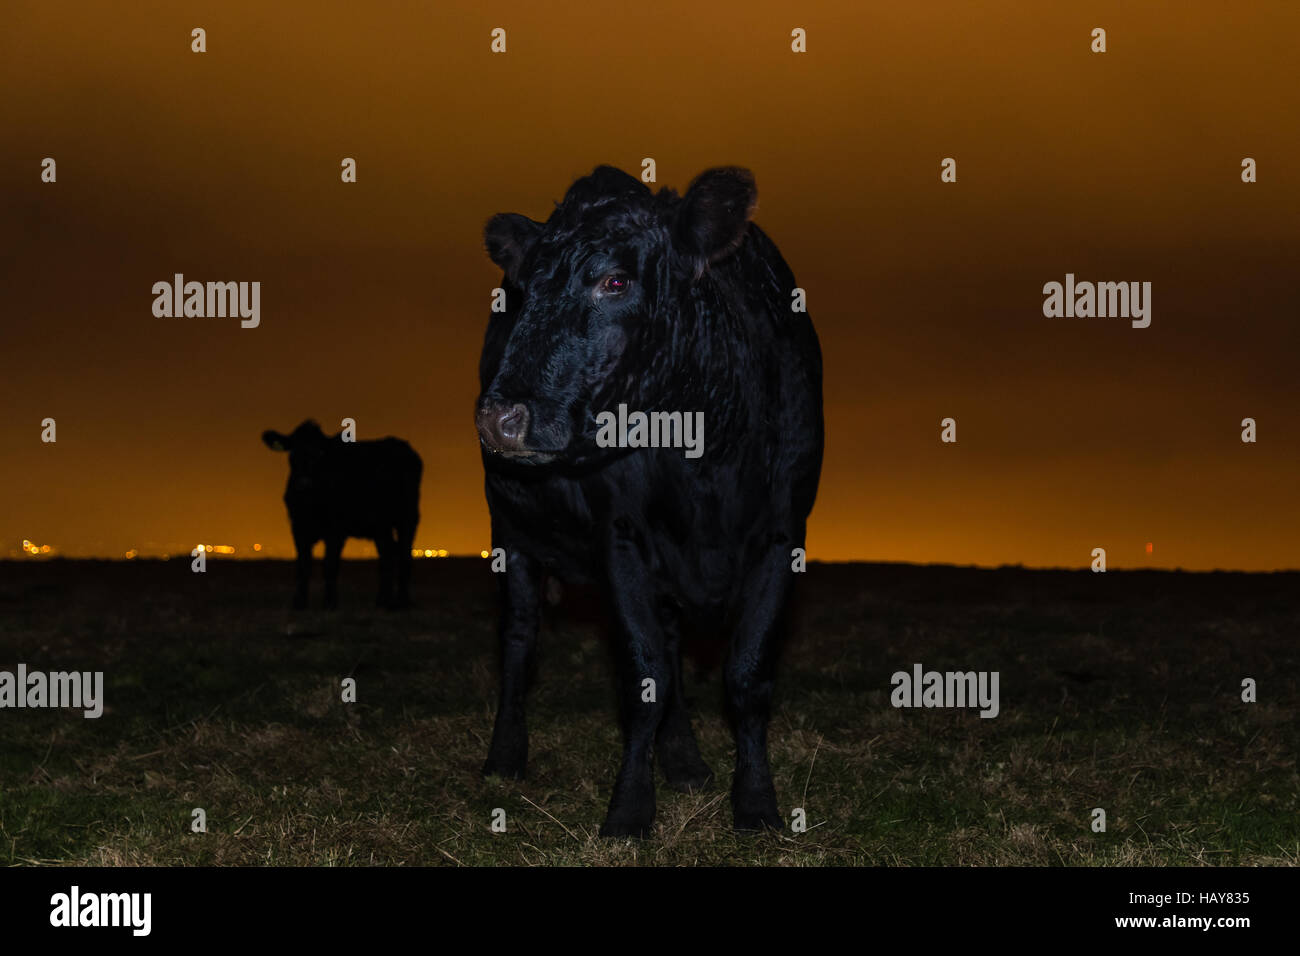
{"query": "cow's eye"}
pixel 616 283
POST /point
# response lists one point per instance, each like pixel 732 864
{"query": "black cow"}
pixel 339 490
pixel 659 303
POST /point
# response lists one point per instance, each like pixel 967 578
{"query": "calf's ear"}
pixel 508 237
pixel 275 441
pixel 714 213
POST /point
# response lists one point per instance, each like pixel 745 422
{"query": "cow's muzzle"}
pixel 503 426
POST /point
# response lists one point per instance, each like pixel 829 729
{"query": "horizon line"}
pixel 1013 566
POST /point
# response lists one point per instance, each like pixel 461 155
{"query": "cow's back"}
pixel 365 489
pixel 792 409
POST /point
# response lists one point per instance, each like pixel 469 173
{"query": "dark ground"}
pixel 1118 690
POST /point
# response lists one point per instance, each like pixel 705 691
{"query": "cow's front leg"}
pixel 645 682
pixel 751 663
pixel 333 554
pixel 302 568
pixel 521 593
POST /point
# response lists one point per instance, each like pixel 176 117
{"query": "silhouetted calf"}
pixel 339 490
pixel 626 302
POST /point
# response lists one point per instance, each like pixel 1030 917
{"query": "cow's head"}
pixel 594 293
pixel 307 446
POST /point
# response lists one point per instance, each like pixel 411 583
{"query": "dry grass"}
pixel 1120 692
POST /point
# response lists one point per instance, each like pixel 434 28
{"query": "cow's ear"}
pixel 714 213
pixel 508 237
pixel 275 441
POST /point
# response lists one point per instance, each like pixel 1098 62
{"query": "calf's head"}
pixel 307 446
pixel 595 293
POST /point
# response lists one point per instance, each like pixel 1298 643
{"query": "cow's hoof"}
pixel 756 811
pixel 511 769
pixel 632 806
pixel 628 822
pixel 758 822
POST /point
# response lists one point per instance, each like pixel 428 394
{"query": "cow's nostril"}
pixel 512 424
pixel 503 425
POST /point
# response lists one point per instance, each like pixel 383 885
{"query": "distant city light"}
pixel 216 548
pixel 257 547
pixel 482 554
pixel 1150 547
pixel 131 554
pixel 430 553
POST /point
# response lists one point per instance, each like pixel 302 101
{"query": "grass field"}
pixel 1119 691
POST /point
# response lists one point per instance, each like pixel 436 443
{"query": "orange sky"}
pixel 1072 433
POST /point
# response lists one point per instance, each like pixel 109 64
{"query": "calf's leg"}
pixel 405 540
pixel 333 554
pixel 386 545
pixel 302 568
